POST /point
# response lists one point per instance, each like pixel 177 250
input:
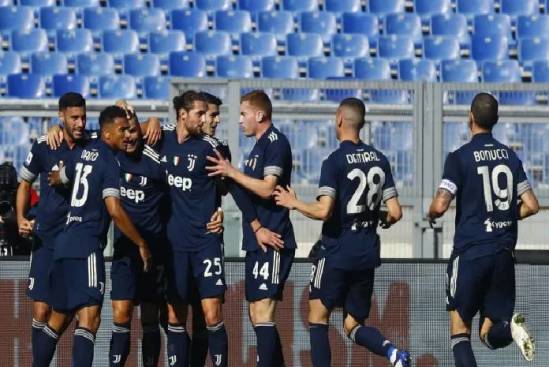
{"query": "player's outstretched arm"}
pixel 123 222
pixel 440 204
pixel 529 204
pixel 393 213
pixel 222 167
pixel 22 201
pixel 321 209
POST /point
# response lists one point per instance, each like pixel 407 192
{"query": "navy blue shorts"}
pixel 266 273
pixel 77 283
pixel 39 275
pixel 130 282
pixel 350 289
pixel 202 269
pixel 485 284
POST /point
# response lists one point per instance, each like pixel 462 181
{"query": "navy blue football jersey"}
pixel 193 194
pixel 142 190
pixel 51 212
pixel 95 175
pixel 270 156
pixel 358 177
pixel 487 178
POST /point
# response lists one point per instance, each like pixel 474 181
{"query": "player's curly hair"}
pixel 186 100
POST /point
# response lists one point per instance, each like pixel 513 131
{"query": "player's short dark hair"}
pixel 357 106
pixel 259 99
pixel 211 99
pixel 186 101
pixel 109 114
pixel 71 99
pixel 485 110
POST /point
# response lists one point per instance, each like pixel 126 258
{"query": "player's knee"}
pixel 121 315
pixel 263 311
pixel 213 315
pixel 349 324
pixel 41 312
pixel 90 322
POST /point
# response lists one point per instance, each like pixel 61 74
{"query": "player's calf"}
pixel 151 334
pixel 217 334
pixel 121 332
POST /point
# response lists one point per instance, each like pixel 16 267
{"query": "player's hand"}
pixel 266 237
pixel 54 176
pixel 130 111
pixel 220 166
pixel 154 131
pixel 25 227
pixel 146 257
pixel 383 223
pixel 432 221
pixel 54 137
pixel 285 197
pixel 216 222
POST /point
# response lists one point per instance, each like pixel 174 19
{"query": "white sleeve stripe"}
pixel 151 150
pixel 389 193
pixel 111 192
pixel 327 191
pixel 151 156
pixel 26 174
pixel 272 170
pixel 41 139
pixel 448 186
pixel 522 187
pixel 168 127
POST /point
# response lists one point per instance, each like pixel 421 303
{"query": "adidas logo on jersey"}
pixel 219 282
pixel 182 183
pixel 273 136
pixel 263 287
pixel 136 196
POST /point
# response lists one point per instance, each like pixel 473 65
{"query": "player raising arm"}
pixel 354 180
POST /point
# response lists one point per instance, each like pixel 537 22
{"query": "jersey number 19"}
pixel 504 195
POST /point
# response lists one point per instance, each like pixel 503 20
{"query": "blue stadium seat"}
pixel 211 5
pixel 127 4
pixel 34 40
pixel 450 24
pixel 341 6
pixel 74 41
pixel 6 3
pixel 489 47
pixel 459 71
pixel 10 63
pixel 395 47
pixel 363 23
pixel 304 44
pixel 234 67
pixel 16 18
pixel 212 43
pixel 48 63
pixel 279 23
pixel 101 19
pixel 168 5
pixel 522 7
pixel 350 45
pixel 141 65
pixel 325 67
pixel 279 67
pixel 157 87
pixel 233 21
pixel 490 24
pixel 166 41
pixel 95 64
pixel 386 6
pixel 35 3
pixel 81 3
pixel 417 70
pixel 120 41
pixel 506 71
pixel 256 6
pixel 319 22
pixel 540 71
pixel 300 94
pixel 53 18
pixel 190 21
pixel 64 83
pixel 533 49
pixel 300 5
pixel 372 69
pixel 117 87
pixel 441 48
pixel 26 86
pixel 258 44
pixel 187 64
pixel 532 26
pixel 13 132
pixel 430 7
pixel 148 20
pixel 404 24
pixel 474 7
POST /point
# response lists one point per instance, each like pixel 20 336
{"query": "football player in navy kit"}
pixel 492 193
pixel 77 276
pixel 354 180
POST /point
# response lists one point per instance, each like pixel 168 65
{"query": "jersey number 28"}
pixel 374 182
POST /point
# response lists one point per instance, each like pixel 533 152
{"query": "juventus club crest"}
pixel 191 159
